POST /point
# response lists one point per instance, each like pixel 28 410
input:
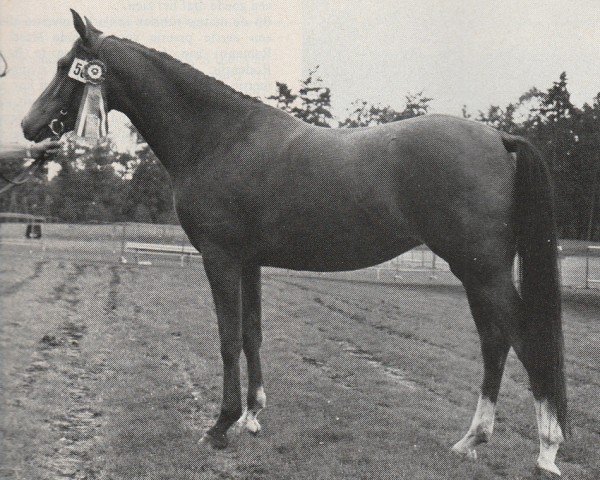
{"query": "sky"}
pixel 459 52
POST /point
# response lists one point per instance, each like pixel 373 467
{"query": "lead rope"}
pixel 23 177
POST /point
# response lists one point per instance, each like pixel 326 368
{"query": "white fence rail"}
pixel 592 252
pixel 137 248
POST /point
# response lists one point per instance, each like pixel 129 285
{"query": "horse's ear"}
pixel 79 25
pixel 90 27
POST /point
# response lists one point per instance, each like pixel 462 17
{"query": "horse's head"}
pixel 55 111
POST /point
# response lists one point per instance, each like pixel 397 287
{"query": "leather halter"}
pixel 56 125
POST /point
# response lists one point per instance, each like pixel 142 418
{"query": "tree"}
pixel 568 138
pixel 586 154
pixel 364 114
pixel 284 98
pixel 551 127
pixel 87 186
pixel 311 104
pixel 502 119
pixel 416 105
pixel 149 197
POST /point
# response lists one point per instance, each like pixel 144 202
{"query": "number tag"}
pixel 76 70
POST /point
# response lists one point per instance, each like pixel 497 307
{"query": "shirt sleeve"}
pixel 12 151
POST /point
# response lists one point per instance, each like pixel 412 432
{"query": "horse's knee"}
pixel 230 353
pixel 252 342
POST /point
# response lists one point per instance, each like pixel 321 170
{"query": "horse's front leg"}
pixel 252 339
pixel 224 275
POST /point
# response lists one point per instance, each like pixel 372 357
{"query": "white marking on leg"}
pixel 252 424
pixel 261 397
pixel 480 430
pixel 550 434
pixel 249 419
pixel 241 423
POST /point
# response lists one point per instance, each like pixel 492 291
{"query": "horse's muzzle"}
pixel 35 132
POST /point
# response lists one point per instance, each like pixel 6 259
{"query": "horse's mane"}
pixel 194 72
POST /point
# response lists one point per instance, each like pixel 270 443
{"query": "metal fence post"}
pixel 123 232
pixel 182 248
pixel 587 267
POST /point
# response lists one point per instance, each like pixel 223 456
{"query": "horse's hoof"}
pixel 253 426
pixel 215 440
pixel 547 470
pixel 249 422
pixel 464 451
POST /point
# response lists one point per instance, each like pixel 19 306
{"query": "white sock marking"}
pixel 550 434
pixel 249 419
pixel 480 430
pixel 261 397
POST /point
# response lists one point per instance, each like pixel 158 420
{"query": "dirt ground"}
pixel 112 372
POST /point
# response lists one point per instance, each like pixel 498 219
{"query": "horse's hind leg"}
pixel 495 302
pixel 252 339
pixel 494 349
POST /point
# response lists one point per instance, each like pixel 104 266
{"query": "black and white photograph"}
pixel 300 239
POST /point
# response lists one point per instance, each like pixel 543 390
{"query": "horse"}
pixel 254 186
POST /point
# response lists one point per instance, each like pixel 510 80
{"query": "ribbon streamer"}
pixel 92 122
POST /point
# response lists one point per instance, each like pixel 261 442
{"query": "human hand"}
pixel 44 149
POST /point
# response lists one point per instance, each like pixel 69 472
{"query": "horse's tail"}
pixel 540 286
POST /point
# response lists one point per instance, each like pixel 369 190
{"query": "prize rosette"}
pixel 92 122
pixel 95 72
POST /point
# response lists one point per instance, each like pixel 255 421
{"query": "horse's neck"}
pixel 180 112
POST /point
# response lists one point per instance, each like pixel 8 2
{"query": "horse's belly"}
pixel 326 248
pixel 299 260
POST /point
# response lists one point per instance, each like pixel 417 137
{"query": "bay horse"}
pixel 256 187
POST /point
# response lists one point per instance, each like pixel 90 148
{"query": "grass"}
pixel 113 372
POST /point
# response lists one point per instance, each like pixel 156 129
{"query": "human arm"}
pixel 43 149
